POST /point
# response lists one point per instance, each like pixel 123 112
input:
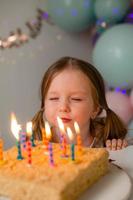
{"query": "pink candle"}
pixel 63 137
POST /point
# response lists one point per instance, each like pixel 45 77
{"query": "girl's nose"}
pixel 64 106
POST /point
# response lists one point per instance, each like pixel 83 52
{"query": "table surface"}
pixel 124 158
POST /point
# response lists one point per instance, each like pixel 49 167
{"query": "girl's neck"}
pixel 88 140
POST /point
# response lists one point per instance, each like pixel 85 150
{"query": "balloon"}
pixel 72 15
pixel 111 10
pixel 129 17
pixel 131 97
pixel 120 104
pixel 130 129
pixel 113 55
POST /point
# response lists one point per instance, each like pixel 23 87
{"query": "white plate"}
pixel 115 185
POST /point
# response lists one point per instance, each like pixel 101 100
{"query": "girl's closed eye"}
pixel 76 99
pixel 53 98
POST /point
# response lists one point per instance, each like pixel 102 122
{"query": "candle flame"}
pixel 48 130
pixel 61 125
pixel 70 134
pixel 76 126
pixel 29 128
pixel 15 127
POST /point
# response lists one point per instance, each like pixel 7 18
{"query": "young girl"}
pixel 73 90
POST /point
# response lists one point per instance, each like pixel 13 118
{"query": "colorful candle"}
pixel 79 141
pixel 1 149
pixel 44 140
pixel 15 128
pixel 63 137
pixel 51 159
pixel 23 139
pixel 29 152
pixel 71 137
pixel 30 133
pixel 29 144
pixel 47 136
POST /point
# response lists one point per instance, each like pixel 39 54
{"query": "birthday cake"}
pixel 62 180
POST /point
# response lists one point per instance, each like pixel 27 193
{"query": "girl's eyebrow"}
pixel 72 93
pixel 53 92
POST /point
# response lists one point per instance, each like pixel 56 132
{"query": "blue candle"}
pixel 51 159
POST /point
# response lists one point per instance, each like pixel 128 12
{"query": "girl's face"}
pixel 70 97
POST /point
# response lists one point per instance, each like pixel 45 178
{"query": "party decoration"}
pixel 17 38
pixel 120 104
pixel 111 11
pixel 131 97
pixel 129 17
pixel 72 15
pixel 112 55
pixel 100 27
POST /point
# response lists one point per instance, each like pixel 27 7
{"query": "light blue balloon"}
pixel 113 55
pixel 111 10
pixel 130 129
pixel 72 15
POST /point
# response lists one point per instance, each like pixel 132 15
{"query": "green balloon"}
pixel 111 10
pixel 72 15
pixel 113 55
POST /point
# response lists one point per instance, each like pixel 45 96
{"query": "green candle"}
pixel 19 156
pixel 73 151
pixel 71 137
pixel 32 140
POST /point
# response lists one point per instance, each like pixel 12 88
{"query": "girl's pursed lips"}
pixel 65 119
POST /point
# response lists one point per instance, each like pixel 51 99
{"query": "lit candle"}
pixel 1 149
pixel 79 141
pixel 63 137
pixel 70 135
pixel 30 133
pixel 15 128
pixel 29 149
pixel 49 147
pixel 47 136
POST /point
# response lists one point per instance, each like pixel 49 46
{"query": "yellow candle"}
pixel 79 141
pixel 47 137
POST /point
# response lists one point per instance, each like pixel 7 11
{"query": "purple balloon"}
pixel 129 17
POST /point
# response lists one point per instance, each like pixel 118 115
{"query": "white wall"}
pixel 21 69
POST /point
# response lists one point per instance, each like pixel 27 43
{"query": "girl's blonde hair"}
pixel 105 128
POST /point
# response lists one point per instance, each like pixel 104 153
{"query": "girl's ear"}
pixel 95 112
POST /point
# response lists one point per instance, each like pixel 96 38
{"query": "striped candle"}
pixel 29 152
